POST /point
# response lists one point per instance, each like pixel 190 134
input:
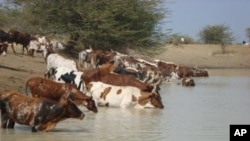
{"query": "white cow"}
pixel 122 96
pixel 55 60
pixel 66 75
pixel 35 46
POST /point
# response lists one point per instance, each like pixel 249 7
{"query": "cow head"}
pixel 71 109
pixel 150 100
pixel 188 82
pixel 81 99
pixel 155 100
pixel 90 104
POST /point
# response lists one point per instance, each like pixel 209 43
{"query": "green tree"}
pixel 96 23
pixel 216 34
pixel 248 33
pixel 176 39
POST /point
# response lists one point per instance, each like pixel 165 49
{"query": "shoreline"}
pixel 201 56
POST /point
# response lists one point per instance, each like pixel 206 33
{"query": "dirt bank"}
pixel 205 56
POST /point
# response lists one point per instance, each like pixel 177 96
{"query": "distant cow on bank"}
pixel 123 96
pixel 40 114
pixel 22 38
pixel 40 87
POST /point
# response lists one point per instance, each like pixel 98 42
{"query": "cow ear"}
pixel 68 94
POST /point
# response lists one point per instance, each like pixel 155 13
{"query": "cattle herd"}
pixel 98 78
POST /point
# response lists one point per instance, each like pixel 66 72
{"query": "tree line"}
pixel 105 24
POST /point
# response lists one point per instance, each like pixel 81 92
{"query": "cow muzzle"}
pixel 82 116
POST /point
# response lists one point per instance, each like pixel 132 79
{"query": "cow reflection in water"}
pixel 39 113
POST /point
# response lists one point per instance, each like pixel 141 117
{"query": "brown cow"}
pixel 39 113
pixel 166 68
pixel 41 87
pixel 20 38
pixel 184 71
pixel 115 79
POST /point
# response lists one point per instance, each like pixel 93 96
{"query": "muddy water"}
pixel 201 113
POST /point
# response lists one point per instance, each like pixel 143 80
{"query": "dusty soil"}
pixel 15 69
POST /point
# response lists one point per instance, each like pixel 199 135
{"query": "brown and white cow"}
pixel 40 87
pixel 167 69
pixel 40 114
pixel 123 96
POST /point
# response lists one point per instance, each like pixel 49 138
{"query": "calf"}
pixel 123 96
pixel 40 114
pixel 41 87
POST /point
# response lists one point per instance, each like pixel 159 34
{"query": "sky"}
pixel 189 17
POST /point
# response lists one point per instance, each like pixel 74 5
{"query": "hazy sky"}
pixel 189 17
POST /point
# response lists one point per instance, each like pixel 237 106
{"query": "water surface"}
pixel 201 113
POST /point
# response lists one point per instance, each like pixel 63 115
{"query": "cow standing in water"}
pixel 39 113
pixel 123 96
pixel 40 87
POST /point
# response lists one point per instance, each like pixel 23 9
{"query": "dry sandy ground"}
pixel 15 69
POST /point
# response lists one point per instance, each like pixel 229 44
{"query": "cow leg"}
pixel 45 127
pixel 36 122
pixel 33 129
pixel 4 115
pixel 31 52
pixel 12 46
pixel 4 120
pixel 26 49
pixel 11 123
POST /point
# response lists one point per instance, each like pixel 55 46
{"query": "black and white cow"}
pixel 66 75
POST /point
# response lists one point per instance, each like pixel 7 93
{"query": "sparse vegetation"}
pixel 217 34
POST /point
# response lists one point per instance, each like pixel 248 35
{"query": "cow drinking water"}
pixel 41 87
pixel 39 113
